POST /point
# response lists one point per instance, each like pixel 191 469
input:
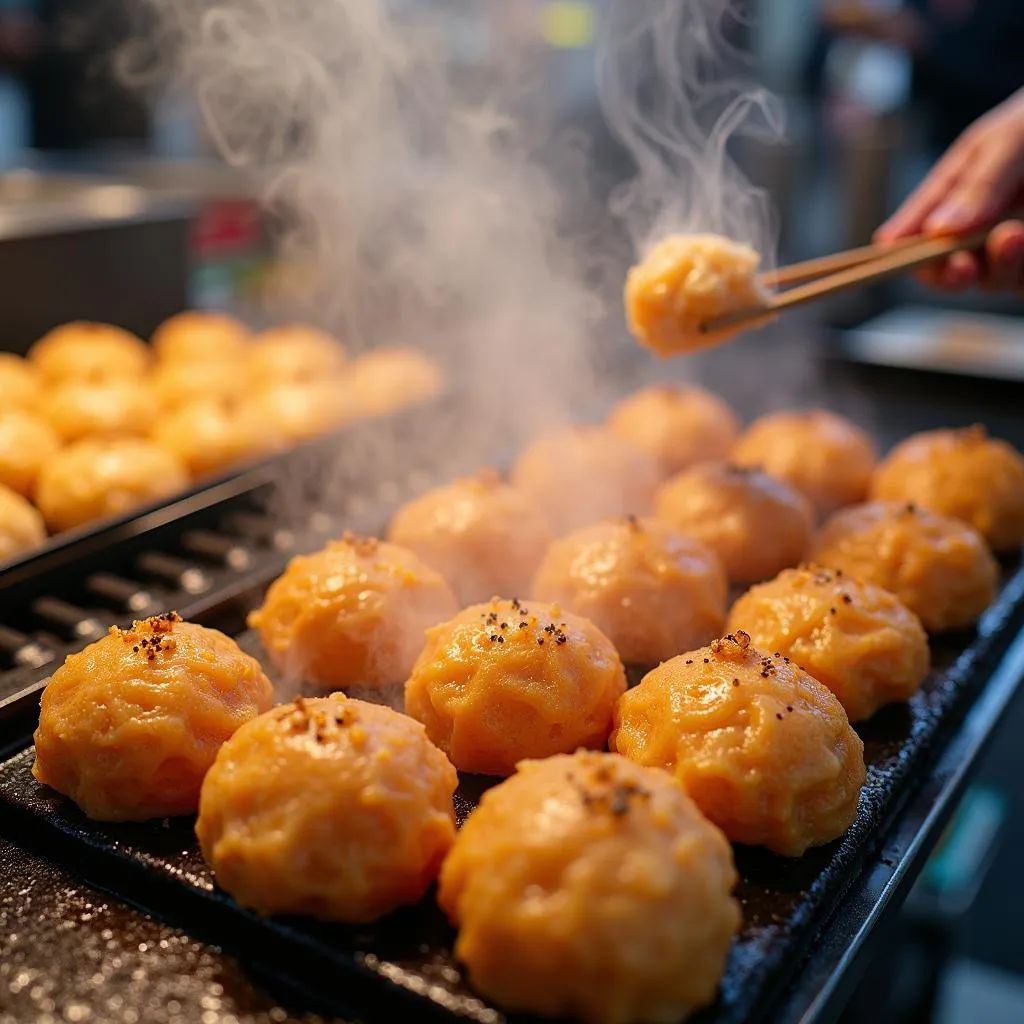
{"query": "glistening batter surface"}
pixel 404 963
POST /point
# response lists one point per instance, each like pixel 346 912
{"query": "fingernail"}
pixel 948 217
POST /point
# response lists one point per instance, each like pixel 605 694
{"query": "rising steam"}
pixel 412 202
pixel 676 90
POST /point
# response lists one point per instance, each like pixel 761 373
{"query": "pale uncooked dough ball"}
pixel 200 335
pixel 20 382
pixel 76 410
pixel 89 351
pixel 21 526
pixel 93 479
pixel 26 445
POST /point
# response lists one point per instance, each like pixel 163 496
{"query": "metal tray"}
pixel 403 965
pixel 68 547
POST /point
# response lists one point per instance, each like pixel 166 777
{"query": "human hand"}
pixel 979 181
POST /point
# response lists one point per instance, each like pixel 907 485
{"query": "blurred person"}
pixel 979 181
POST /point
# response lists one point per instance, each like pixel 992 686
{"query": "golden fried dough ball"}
pixel 21 525
pixel 393 378
pixel 676 425
pixel 764 749
pixel 859 640
pixel 961 473
pixel 352 614
pixel 757 525
pixel 26 443
pixel 180 382
pixel 200 336
pixel 88 351
pixel 76 410
pixel 826 458
pixel 506 680
pixel 483 535
pixel 96 478
pixel 208 436
pixel 19 382
pixel 129 726
pixel 589 887
pixel 581 475
pixel 939 567
pixel 685 281
pixel 653 591
pixel 302 410
pixel 294 352
pixel 330 807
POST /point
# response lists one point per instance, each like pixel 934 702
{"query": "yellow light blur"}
pixel 568 24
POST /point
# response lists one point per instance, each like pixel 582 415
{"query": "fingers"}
pixel 909 219
pixel 1004 255
pixel 960 271
pixel 984 188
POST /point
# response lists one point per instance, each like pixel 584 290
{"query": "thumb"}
pixel 985 190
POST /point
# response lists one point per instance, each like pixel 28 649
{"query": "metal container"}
pixel 83 248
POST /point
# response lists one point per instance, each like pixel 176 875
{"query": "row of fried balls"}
pixel 95 422
pixel 602 863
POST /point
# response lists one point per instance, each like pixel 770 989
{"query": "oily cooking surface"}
pixel 783 902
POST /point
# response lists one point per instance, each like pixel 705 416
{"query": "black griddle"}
pixel 402 967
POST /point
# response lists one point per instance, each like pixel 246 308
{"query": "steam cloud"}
pixel 414 205
pixel 675 90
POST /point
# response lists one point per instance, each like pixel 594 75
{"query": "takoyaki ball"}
pixel 208 436
pixel 589 887
pixel 483 535
pixel 330 807
pixel 26 443
pixel 393 378
pixel 653 591
pixel 197 336
pixel 295 352
pixel 961 473
pixel 129 726
pixel 21 525
pixel 302 410
pixel 19 382
pixel 676 425
pixel 96 478
pixel 939 567
pixel 826 458
pixel 179 383
pixel 763 748
pixel 859 640
pixel 757 525
pixel 684 282
pixel 352 614
pixel 77 410
pixel 508 680
pixel 584 474
pixel 86 351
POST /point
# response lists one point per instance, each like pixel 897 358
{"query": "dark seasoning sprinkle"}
pixel 158 641
pixel 316 722
pixel 611 796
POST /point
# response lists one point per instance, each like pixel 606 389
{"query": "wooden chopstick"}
pixel 808 270
pixel 892 261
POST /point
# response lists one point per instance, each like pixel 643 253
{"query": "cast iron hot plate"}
pixel 403 965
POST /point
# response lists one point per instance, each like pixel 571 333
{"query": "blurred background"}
pixel 117 209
